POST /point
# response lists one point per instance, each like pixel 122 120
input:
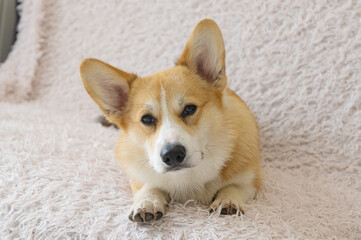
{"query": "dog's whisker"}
pixel 210 152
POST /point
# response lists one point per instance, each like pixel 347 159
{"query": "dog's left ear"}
pixel 204 53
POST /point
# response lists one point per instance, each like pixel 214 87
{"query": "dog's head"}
pixel 172 114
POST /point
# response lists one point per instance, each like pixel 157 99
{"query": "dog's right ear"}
pixel 108 86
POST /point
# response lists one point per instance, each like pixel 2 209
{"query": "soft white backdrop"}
pixel 296 63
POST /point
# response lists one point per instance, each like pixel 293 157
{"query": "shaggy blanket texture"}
pixel 296 63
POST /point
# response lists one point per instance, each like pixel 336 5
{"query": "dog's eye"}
pixel 189 110
pixel 148 120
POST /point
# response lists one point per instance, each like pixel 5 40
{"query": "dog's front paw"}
pixel 147 210
pixel 228 206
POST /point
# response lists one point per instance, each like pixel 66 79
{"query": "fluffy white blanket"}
pixel 296 63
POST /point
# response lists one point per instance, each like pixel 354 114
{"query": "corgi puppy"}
pixel 184 134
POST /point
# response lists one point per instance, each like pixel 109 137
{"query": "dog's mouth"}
pixel 177 168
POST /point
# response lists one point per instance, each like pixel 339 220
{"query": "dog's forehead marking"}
pixel 169 130
pixel 163 104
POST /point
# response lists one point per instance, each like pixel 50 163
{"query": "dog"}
pixel 184 134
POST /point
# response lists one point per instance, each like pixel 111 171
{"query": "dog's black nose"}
pixel 173 154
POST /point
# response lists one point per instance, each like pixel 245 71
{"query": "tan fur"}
pixel 245 155
pixel 231 132
pixel 135 186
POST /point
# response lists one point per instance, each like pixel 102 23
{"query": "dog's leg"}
pixel 232 198
pixel 149 204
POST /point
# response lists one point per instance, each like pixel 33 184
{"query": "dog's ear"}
pixel 108 86
pixel 204 53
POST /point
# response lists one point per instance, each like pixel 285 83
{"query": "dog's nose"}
pixel 173 154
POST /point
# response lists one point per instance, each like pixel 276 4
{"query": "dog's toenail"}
pixel 138 218
pixel 224 211
pixel 149 217
pixel 234 210
pixel 159 215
